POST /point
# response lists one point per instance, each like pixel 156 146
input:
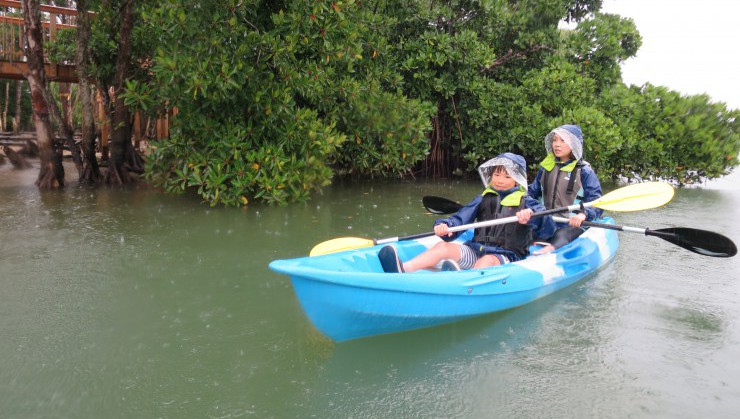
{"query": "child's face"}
pixel 501 181
pixel 561 149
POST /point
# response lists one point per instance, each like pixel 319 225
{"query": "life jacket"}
pixel 561 183
pixel 510 236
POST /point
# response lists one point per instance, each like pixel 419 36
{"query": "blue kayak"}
pixel 346 295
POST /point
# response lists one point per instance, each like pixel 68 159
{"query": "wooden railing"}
pixel 13 63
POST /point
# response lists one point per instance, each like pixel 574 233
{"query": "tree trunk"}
pixel 65 98
pixel 17 159
pixel 102 102
pixel 51 172
pixel 18 101
pixel 90 168
pixel 63 117
pixel 65 128
pixel 122 154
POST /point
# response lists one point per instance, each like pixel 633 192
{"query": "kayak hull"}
pixel 347 296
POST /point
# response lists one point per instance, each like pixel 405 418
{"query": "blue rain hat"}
pixel 572 135
pixel 515 165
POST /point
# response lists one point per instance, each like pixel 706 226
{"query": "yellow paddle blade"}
pixel 340 244
pixel 637 197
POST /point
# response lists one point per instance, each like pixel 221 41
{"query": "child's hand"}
pixel 524 215
pixel 442 230
pixel 577 220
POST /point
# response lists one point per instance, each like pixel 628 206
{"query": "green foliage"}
pixel 104 40
pixel 239 134
pixel 503 119
pixel 558 87
pixel 62 49
pixel 232 164
pixel 600 44
pixel 680 138
pixel 633 133
pixel 386 132
pixel 264 105
pixel 275 98
pixel 436 65
pixel 479 63
pixel 516 118
pixel 579 10
pixel 603 145
pixel 337 61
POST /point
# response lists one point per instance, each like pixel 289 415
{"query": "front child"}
pixel 505 179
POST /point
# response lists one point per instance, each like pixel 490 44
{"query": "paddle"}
pixel 636 197
pixel 703 242
pixel 439 205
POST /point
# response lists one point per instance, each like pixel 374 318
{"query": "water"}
pixel 131 303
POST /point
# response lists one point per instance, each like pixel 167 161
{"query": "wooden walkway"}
pixel 13 63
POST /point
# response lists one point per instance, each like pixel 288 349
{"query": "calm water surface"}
pixel 131 303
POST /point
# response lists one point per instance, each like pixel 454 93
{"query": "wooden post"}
pixel 137 131
pixel 162 126
pixel 167 124
pixel 52 35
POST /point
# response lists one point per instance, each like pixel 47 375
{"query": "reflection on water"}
pixel 131 303
pixel 695 323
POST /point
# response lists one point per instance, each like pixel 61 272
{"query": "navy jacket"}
pixel 541 226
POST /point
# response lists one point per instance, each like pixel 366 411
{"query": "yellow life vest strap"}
pixel 511 200
pixel 549 163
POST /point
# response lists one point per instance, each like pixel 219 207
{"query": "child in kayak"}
pixel 565 179
pixel 505 179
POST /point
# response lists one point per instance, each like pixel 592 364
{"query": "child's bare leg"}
pixel 545 249
pixel 486 261
pixel 431 257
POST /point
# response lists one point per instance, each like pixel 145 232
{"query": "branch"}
pixel 511 55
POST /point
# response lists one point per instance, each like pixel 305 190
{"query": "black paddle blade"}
pixel 703 242
pixel 439 205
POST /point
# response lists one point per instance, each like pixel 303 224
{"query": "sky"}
pixel 691 46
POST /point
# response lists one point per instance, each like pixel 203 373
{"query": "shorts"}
pixel 468 257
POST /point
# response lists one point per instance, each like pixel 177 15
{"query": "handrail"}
pixel 20 21
pixel 44 7
pixel 13 63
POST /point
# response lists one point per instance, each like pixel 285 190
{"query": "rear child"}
pixel 505 179
pixel 565 179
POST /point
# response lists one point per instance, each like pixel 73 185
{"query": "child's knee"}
pixel 487 260
pixel 440 245
pixel 448 250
